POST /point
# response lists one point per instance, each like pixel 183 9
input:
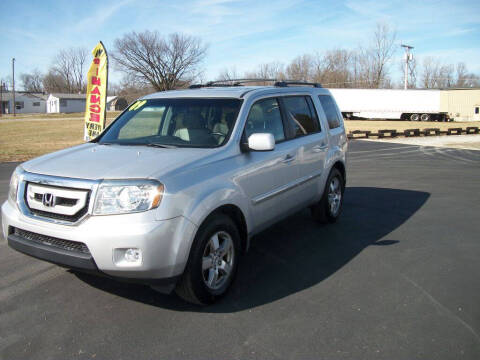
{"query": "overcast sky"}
pixel 240 34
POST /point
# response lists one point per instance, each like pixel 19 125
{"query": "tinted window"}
pixel 265 117
pixel 330 111
pixel 299 116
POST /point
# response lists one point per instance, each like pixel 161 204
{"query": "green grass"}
pixel 35 135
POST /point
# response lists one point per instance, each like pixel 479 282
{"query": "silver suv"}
pixel 172 191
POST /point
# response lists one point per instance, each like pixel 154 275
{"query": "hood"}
pixel 93 161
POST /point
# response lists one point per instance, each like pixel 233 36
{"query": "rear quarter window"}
pixel 333 117
pixel 299 116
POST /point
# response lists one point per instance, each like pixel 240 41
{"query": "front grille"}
pixel 60 201
pixel 72 246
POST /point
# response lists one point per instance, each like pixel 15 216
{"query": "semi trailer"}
pixel 392 104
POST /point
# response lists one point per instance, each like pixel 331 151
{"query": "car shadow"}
pixel 296 253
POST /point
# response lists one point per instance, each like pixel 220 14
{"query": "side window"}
pixel 330 111
pixel 264 117
pixel 300 116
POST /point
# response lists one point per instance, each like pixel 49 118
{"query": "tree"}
pixel 465 79
pixel 437 75
pixel 165 63
pixel 228 74
pixel 381 52
pixel 32 82
pixel 67 74
pixel 54 83
pixel 301 68
pixel 333 68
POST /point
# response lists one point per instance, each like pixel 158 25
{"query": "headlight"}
pixel 120 197
pixel 14 180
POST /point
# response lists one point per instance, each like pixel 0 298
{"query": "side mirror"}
pixel 261 142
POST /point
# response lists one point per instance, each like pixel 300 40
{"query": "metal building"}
pixel 461 104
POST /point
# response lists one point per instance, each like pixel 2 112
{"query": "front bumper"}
pixel 165 244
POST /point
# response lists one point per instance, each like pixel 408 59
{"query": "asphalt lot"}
pixel 396 278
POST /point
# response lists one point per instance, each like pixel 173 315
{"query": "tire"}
pixel 425 117
pixel 414 117
pixel 323 212
pixel 199 286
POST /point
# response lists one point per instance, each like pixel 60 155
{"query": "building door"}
pixel 476 112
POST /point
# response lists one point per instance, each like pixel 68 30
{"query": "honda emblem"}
pixel 48 200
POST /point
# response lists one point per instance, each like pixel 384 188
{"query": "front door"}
pixel 266 175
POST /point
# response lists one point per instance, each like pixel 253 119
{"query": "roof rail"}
pixel 285 83
pixel 229 82
pixel 240 82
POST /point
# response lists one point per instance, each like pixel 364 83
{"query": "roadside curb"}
pixel 392 133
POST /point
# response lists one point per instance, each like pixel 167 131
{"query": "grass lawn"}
pixel 34 135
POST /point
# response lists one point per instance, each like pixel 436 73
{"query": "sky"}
pixel 240 34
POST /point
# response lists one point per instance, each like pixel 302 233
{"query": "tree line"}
pixel 152 62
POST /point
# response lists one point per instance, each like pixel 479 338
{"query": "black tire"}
pixel 192 287
pixel 321 211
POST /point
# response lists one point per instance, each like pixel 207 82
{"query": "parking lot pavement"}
pixel 468 142
pixel 396 278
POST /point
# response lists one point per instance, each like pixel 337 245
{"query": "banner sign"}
pixel 97 77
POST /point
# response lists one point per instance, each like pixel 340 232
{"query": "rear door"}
pixel 312 144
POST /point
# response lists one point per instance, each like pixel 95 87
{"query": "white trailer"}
pixel 415 105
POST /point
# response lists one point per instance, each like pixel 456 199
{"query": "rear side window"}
pixel 265 117
pixel 330 110
pixel 299 116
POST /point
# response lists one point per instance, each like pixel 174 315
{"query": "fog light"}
pixel 133 255
pixel 127 257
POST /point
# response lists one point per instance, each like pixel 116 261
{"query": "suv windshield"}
pixel 174 122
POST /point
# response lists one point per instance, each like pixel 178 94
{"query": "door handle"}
pixel 288 158
pixel 319 148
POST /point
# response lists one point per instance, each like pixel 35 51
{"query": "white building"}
pixel 66 103
pixel 25 103
pixel 115 103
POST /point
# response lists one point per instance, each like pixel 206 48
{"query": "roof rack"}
pixel 285 83
pixel 240 82
pixel 229 82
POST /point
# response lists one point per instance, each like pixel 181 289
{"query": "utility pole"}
pixel 408 58
pixel 1 98
pixel 13 84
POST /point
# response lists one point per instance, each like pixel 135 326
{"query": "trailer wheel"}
pixel 425 117
pixel 414 117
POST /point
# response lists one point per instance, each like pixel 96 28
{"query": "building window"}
pixel 19 105
pixel 477 110
pixel 63 102
pixel 36 103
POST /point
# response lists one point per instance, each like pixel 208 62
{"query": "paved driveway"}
pixel 396 278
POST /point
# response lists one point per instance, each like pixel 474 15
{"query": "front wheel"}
pixel 328 209
pixel 213 261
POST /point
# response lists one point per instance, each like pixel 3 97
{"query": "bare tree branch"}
pixel 165 63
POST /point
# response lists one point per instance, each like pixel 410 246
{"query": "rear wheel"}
pixel 213 261
pixel 328 209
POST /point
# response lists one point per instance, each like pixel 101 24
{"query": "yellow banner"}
pixel 97 76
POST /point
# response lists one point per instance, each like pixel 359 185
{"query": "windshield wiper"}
pixel 160 145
